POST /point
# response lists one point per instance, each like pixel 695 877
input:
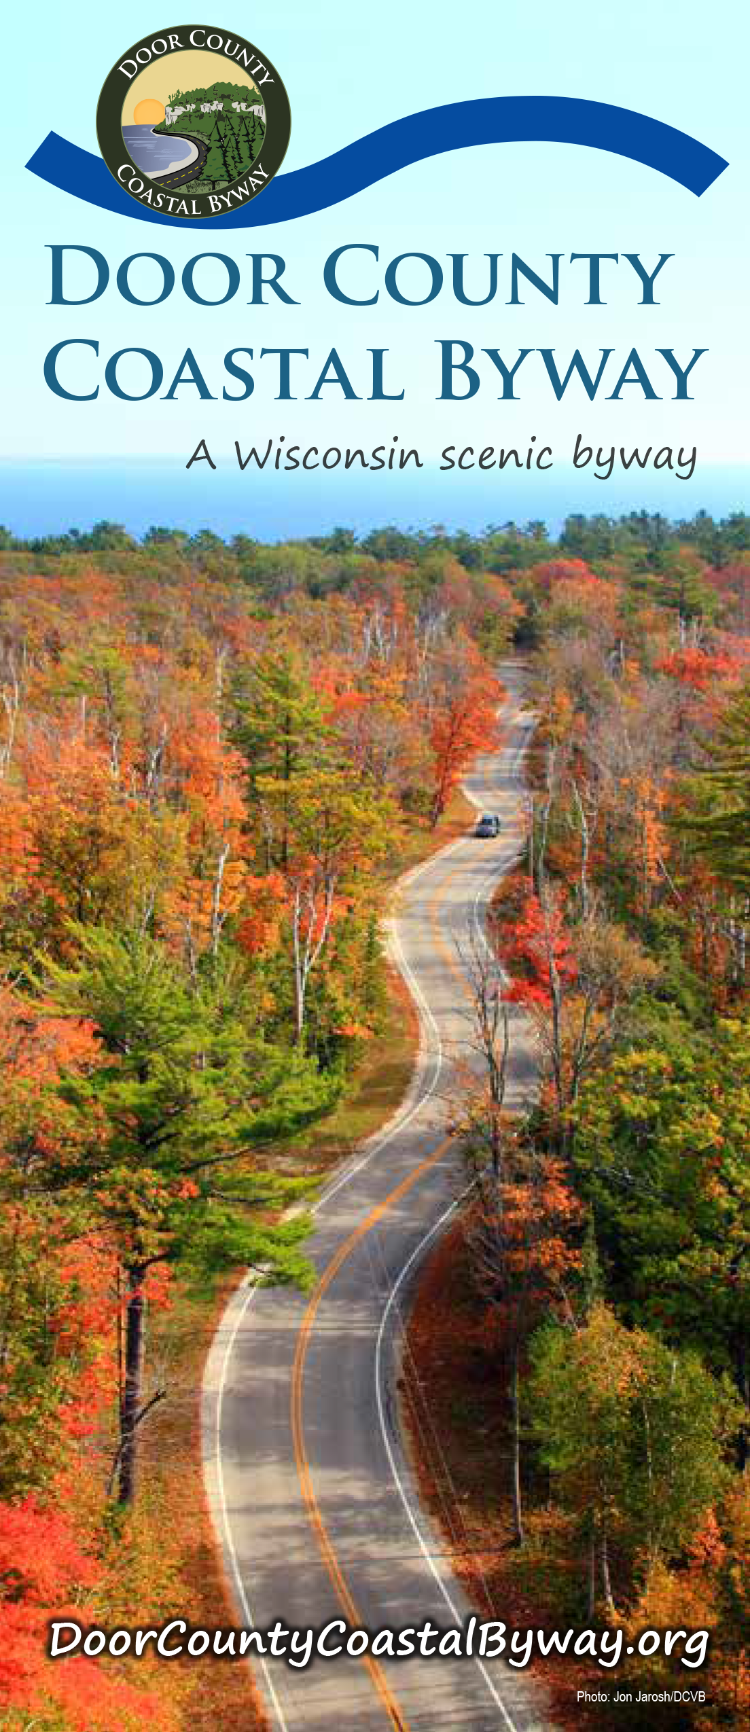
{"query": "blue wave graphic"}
pixel 456 125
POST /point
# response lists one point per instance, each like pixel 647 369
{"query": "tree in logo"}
pixel 170 132
pixel 216 170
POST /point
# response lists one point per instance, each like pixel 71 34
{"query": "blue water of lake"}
pixel 155 152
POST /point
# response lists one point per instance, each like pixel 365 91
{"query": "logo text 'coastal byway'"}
pixel 193 122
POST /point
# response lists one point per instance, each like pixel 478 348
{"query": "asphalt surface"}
pixel 312 1496
pixel 181 176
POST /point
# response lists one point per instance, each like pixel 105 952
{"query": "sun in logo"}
pixel 148 112
pixel 193 122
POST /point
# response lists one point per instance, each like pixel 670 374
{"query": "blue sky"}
pixel 347 72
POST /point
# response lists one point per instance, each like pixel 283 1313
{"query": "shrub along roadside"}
pixel 171 1565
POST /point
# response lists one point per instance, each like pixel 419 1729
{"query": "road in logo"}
pixel 193 121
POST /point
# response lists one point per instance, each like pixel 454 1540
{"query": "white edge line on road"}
pixel 414 1256
pixel 250 1292
pixel 251 1287
pixel 411 1260
pixel 417 1253
pixel 428 1021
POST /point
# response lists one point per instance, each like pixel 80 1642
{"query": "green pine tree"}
pixel 245 143
pixel 215 169
pixel 231 153
pixel 279 728
pixel 258 135
pixel 187 1087
pixel 717 820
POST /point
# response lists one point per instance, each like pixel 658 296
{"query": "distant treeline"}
pixel 218 92
pixel 640 539
pixel 234 140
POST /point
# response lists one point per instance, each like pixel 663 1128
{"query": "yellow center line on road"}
pixel 327 1550
pixel 376 1214
pixel 328 1554
pixel 440 940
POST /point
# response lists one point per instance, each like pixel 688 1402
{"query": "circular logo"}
pixel 193 121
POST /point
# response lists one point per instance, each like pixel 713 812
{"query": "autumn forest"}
pixel 216 757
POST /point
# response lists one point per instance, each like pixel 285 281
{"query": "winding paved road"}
pixel 310 1490
pixel 181 176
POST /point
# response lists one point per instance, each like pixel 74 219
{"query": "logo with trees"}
pixel 193 122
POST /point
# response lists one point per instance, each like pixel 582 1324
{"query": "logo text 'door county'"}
pixel 193 121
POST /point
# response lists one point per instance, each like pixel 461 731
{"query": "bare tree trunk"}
pixel 489 1016
pixel 584 870
pixel 546 811
pixel 11 697
pixel 131 1398
pixel 604 1569
pixel 518 1533
pixel 217 918
pixel 299 969
pixel 299 1010
pixel 309 906
pixel 557 1043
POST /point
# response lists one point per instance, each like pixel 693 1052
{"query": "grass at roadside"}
pixel 421 840
pixel 375 1091
pixel 171 1566
pixel 453 1390
pixel 380 1081
pixel 168 1564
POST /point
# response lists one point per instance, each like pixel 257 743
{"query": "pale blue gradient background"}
pixel 348 71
